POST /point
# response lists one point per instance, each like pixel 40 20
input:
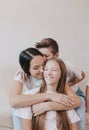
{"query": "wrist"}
pixel 50 106
pixel 47 96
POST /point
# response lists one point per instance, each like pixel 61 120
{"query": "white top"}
pixel 50 116
pixel 72 71
pixel 30 86
pixel 30 83
pixel 51 121
pixel 25 112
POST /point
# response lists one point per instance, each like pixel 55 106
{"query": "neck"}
pixel 51 88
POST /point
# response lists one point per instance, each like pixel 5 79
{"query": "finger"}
pixel 69 98
pixel 39 112
pixel 67 102
pixel 35 110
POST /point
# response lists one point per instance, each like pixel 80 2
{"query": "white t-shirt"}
pixel 30 83
pixel 51 121
pixel 30 86
pixel 73 71
pixel 25 112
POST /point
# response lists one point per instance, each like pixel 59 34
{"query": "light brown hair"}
pixel 62 119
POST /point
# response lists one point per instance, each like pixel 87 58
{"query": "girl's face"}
pixel 36 67
pixel 52 73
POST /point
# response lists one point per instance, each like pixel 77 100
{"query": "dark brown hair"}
pixel 46 43
pixel 26 56
pixel 62 119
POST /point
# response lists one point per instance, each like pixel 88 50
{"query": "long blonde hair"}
pixel 62 119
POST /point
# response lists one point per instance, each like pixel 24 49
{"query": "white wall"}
pixel 24 22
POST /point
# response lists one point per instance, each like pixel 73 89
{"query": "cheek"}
pixel 33 72
pixel 58 75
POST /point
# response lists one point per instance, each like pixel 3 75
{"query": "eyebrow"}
pixel 36 66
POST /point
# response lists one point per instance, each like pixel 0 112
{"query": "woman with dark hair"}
pixel 55 79
pixel 32 62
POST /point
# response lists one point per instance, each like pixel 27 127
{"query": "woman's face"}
pixel 52 72
pixel 37 66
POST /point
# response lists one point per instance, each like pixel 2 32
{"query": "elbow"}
pixel 77 103
pixel 83 75
pixel 13 103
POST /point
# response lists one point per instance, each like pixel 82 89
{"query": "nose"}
pixel 41 69
pixel 49 72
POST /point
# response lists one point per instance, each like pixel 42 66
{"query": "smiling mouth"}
pixel 49 77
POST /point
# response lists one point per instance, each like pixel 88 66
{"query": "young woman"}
pixel 32 62
pixel 55 79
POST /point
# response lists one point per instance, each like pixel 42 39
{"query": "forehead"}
pixel 37 60
pixel 52 64
pixel 45 50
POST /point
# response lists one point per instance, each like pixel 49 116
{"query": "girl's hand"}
pixel 40 108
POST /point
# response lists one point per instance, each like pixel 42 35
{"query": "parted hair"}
pixel 25 58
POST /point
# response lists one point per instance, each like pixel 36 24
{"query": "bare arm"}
pixel 73 95
pixel 26 124
pixel 74 126
pixel 19 100
pixel 46 106
pixel 87 99
pixel 76 80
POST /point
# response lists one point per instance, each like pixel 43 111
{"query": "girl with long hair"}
pixel 55 79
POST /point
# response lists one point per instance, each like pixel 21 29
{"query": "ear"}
pixel 57 55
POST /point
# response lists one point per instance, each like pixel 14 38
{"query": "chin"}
pixel 40 77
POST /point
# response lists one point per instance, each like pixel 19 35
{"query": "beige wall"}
pixel 23 22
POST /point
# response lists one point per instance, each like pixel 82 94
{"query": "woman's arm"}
pixel 46 106
pixel 74 126
pixel 76 80
pixel 19 100
pixel 26 124
pixel 87 99
pixel 72 94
